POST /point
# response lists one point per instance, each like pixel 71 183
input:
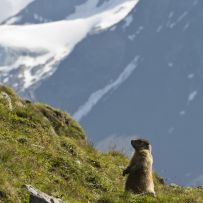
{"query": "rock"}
pixel 22 140
pixel 28 101
pixel 160 179
pixel 4 95
pixel 2 195
pixel 173 185
pixel 37 196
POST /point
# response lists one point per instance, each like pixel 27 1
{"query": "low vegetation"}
pixel 46 148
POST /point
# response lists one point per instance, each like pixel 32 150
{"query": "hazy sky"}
pixel 11 7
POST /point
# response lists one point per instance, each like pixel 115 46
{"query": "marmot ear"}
pixel 132 142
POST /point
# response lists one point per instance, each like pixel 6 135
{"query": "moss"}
pixel 62 122
pixel 45 147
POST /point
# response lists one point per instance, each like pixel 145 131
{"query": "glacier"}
pixel 33 53
pixel 11 7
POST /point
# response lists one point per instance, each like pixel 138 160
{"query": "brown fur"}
pixel 140 178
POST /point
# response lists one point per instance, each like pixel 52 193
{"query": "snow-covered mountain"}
pixel 43 11
pixel 34 53
pixel 11 7
pixel 123 68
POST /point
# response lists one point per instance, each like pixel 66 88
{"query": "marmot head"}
pixel 141 144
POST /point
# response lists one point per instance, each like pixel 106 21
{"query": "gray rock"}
pixel 37 196
pixel 173 185
pixel 4 95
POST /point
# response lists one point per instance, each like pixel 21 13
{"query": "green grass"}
pixel 45 147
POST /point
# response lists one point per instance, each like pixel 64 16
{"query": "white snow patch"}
pixel 11 7
pixel 138 31
pixel 186 26
pixel 128 20
pixel 191 76
pixel 171 24
pixel 182 113
pixel 5 80
pixel 131 37
pixel 39 18
pixel 181 17
pixel 192 96
pixel 95 97
pixel 159 28
pixel 112 11
pixel 51 42
pixel 170 64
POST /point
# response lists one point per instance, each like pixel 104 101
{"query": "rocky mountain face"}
pixel 138 77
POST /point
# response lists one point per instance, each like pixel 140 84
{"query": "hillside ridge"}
pixel 46 148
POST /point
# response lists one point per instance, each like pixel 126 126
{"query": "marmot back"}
pixel 140 178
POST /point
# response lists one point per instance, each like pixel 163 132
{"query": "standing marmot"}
pixel 140 178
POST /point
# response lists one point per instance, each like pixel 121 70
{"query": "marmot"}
pixel 140 178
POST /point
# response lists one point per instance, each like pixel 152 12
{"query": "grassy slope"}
pixel 46 148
